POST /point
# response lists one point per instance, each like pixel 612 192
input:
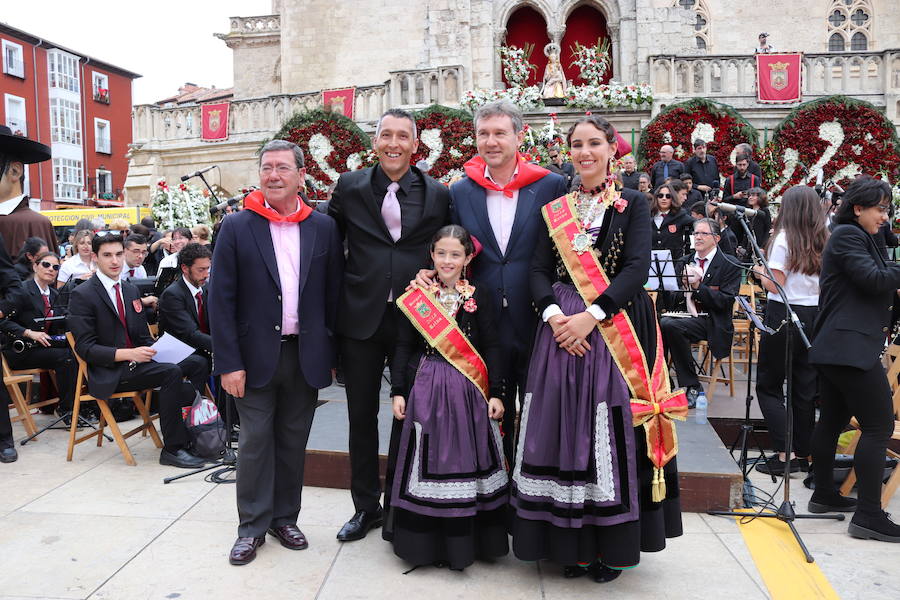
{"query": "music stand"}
pixel 662 274
pixel 164 279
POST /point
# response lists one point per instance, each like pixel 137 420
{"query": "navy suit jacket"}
pixel 245 298
pixel 506 276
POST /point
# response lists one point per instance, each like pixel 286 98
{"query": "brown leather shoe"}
pixel 290 537
pixel 244 550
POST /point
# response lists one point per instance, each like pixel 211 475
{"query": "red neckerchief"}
pixel 255 201
pixel 528 174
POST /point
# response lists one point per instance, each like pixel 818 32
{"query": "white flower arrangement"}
pixel 455 153
pixel 319 149
pixel 432 138
pixel 182 206
pixel 667 137
pixel 611 95
pixel 468 141
pixel 451 175
pixel 516 67
pixel 526 98
pixel 703 131
pixel 592 61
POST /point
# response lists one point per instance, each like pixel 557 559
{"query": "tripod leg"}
pixel 809 557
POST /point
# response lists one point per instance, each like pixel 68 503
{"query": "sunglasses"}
pixel 49 265
pixel 664 196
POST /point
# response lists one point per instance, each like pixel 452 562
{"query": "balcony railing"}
pixel 261 24
pixel 732 78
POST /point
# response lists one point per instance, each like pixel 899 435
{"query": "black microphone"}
pixel 198 173
pixel 734 208
pixel 216 209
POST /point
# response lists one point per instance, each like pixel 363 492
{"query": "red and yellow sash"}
pixel 653 403
pixel 442 332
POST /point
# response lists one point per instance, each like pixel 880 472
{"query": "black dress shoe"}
pixel 8 455
pixel 874 527
pixel 181 459
pixel 357 527
pixel 775 466
pixel 290 537
pixel 244 550
pixel 823 503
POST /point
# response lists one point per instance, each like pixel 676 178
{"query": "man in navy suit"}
pixel 273 300
pixel 499 202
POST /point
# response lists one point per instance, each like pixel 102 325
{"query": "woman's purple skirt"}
pixel 581 482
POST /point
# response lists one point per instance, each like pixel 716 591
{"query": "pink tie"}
pixel 390 210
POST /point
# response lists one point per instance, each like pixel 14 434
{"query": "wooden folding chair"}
pixel 141 402
pixel 743 341
pixel 23 409
pixel 893 373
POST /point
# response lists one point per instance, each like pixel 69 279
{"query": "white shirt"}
pixel 501 211
pixel 658 219
pixel 169 262
pixel 707 260
pixel 193 291
pixel 7 206
pixel 73 267
pixel 108 286
pixel 139 272
pixel 799 288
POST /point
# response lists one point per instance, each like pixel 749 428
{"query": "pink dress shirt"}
pixel 501 212
pixel 286 240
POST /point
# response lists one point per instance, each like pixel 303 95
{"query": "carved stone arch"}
pixel 610 8
pixel 504 9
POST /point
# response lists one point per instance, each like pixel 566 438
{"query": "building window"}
pixel 62 69
pixel 65 121
pixel 101 136
pixel 849 20
pixel 13 63
pixel 101 88
pixel 104 185
pixel 15 114
pixel 68 179
pixel 701 21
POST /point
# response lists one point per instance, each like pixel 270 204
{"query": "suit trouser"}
pixel 678 334
pixel 275 424
pixel 516 355
pixel 363 362
pixel 171 398
pixel 6 434
pixel 195 369
pixel 60 360
pixel 866 395
pixel 770 375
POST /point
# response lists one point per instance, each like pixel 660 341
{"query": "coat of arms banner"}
pixel 778 78
pixel 339 101
pixel 214 118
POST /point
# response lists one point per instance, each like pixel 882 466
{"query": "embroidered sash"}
pixel 653 404
pixel 442 332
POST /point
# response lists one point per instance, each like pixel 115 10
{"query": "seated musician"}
pixel 111 334
pixel 28 345
pixel 182 308
pixel 713 281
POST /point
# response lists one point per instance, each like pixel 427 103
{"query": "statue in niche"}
pixel 554 84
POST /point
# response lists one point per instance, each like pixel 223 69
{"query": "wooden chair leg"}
pixel 116 432
pixel 848 484
pixel 142 404
pixel 76 410
pixel 15 393
pixel 892 484
pixel 713 379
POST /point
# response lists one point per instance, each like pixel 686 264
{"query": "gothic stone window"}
pixel 701 21
pixel 849 25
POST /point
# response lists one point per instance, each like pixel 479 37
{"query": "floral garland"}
pixel 837 136
pixel 332 143
pixel 592 61
pixel 447 141
pixel 611 95
pixel 516 66
pixel 179 207
pixel 679 124
pixel 526 98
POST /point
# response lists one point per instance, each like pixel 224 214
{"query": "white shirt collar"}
pixel 708 258
pixel 43 291
pixel 106 281
pixel 7 206
pixel 193 290
pixel 487 174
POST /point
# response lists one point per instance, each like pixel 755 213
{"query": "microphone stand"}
pixel 785 512
pixel 209 187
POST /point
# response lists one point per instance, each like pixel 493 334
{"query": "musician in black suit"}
pixel 107 318
pixel 9 283
pixel 713 281
pixel 183 309
pixel 856 294
pixel 37 299
pixel 387 215
pixel 665 167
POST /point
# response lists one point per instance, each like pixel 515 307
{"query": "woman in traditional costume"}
pixel 449 490
pixel 595 481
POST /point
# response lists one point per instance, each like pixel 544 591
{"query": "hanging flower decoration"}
pixel 516 66
pixel 183 206
pixel 837 136
pixel 592 61
pixel 446 141
pixel 718 124
pixel 331 143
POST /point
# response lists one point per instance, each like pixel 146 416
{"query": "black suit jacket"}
pixel 376 265
pixel 94 322
pixel 28 306
pixel 676 168
pixel 672 233
pixel 716 293
pixel 178 316
pixel 856 294
pixel 245 298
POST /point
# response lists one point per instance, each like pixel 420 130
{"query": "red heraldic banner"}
pixel 778 78
pixel 214 118
pixel 339 101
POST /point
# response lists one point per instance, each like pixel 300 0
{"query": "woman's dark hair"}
pixel 457 233
pixel 598 122
pixel 802 220
pixel 763 196
pixel 865 191
pixel 43 255
pixel 31 246
pixel 654 201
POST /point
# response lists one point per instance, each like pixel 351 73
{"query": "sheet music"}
pixel 170 349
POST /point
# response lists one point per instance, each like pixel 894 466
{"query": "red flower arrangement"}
pixel 452 134
pixel 677 123
pixel 840 136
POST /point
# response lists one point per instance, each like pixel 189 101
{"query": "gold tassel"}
pixel 659 485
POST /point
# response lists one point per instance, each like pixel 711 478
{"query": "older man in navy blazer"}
pixel 273 299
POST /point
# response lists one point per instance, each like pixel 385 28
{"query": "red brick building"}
pixel 77 105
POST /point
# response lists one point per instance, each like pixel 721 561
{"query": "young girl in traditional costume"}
pixel 595 482
pixel 448 496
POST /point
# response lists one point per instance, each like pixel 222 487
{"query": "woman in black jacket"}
pixel 857 289
pixel 670 221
